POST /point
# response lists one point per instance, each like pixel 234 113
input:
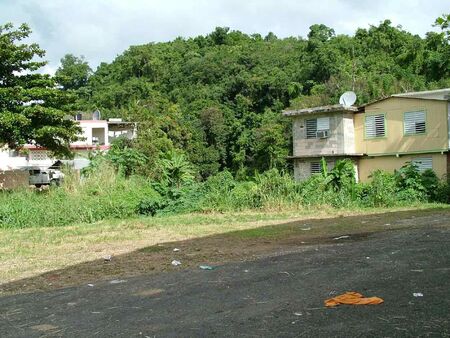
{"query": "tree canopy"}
pixel 32 110
pixel 73 73
pixel 218 97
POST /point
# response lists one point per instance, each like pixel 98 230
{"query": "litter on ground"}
pixel 175 262
pixel 117 281
pixel 206 267
pixel 341 237
pixel 352 298
pixel 418 294
pixel 306 229
pixel 176 250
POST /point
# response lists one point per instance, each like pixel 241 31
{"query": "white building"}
pixel 96 135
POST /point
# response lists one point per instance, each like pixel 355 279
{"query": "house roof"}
pixel 335 108
pixel 438 94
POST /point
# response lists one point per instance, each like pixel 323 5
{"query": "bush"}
pixel 150 206
pixel 381 191
pixel 443 191
pixel 313 191
pixel 409 183
pixel 342 176
pixel 430 182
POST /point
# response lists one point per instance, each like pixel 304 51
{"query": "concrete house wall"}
pixel 341 141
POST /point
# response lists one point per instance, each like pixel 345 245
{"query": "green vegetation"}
pixel 210 134
pixel 105 193
pixel 218 98
pixel 73 73
pixel 31 108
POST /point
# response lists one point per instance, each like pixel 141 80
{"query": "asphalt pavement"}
pixel 274 296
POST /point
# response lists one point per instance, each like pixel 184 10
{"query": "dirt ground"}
pixel 265 282
pixel 235 246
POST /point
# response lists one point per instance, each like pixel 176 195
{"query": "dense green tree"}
pixel 437 54
pixel 73 73
pixel 31 108
pixel 218 98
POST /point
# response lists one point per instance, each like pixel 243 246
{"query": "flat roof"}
pixel 324 155
pixel 121 122
pixel 335 108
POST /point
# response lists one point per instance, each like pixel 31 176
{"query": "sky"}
pixel 102 29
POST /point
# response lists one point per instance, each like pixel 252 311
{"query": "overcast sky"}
pixel 102 29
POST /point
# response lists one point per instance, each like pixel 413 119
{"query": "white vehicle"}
pixel 40 177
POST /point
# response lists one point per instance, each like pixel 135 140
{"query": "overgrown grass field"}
pixel 106 193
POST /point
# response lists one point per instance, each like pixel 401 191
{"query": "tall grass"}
pixel 104 194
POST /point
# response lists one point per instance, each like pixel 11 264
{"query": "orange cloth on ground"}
pixel 352 298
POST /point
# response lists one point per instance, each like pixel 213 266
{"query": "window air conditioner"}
pixel 322 133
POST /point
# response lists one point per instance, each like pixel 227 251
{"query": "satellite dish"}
pixel 347 99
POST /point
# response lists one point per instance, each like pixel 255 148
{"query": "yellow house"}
pixel 410 127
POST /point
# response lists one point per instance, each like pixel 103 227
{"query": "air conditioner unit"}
pixel 322 133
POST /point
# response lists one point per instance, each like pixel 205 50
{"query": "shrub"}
pixel 381 191
pixel 176 170
pixel 443 191
pixel 126 160
pixel 313 191
pixel 409 183
pixel 150 206
pixel 430 182
pixel 342 176
pixel 217 192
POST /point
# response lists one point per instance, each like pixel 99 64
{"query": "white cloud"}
pixel 102 29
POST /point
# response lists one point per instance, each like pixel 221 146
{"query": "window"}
pixel 38 155
pixel 317 125
pixel 375 126
pixel 414 123
pixel 315 167
pixel 423 163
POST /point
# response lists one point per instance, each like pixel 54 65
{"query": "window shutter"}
pixel 423 163
pixel 375 126
pixel 315 167
pixel 414 123
pixel 323 123
pixel 311 128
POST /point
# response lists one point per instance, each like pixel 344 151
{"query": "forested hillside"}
pixel 217 98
